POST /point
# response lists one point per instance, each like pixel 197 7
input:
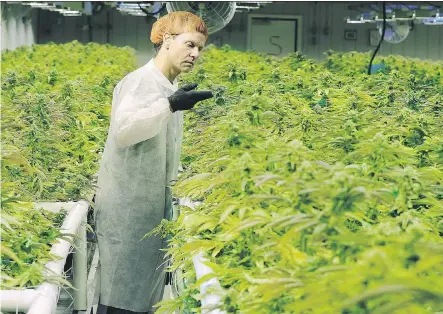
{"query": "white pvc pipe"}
pixel 188 202
pixel 16 300
pixel 47 293
pixel 56 207
pixel 93 281
pixel 44 298
pixel 210 301
pixel 80 268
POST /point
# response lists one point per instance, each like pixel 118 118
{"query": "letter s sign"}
pixel 275 44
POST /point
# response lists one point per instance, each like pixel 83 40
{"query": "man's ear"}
pixel 167 40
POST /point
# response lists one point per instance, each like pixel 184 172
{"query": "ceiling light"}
pixel 140 13
pixel 129 10
pixel 132 5
pixel 67 12
pixel 41 5
pixel 434 21
pixel 72 14
pixel 255 2
pixel 360 21
pixel 240 7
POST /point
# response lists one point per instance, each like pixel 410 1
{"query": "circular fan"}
pixel 215 14
pixel 395 32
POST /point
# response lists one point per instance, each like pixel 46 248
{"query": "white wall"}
pixel 18 26
pixel 423 42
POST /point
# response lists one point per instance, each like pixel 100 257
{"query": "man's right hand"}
pixel 185 98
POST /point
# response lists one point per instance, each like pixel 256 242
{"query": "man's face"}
pixel 184 50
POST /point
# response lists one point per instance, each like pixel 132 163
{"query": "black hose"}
pixel 108 26
pixel 90 28
pixel 381 39
pixel 151 13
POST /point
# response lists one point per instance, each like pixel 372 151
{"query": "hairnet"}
pixel 177 23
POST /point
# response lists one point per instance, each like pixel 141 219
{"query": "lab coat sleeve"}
pixel 140 118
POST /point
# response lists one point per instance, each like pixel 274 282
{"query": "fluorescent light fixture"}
pixel 71 11
pixel 55 9
pixel 399 12
pixel 434 21
pixel 72 14
pixel 254 2
pixel 37 4
pixel 355 22
pixel 128 5
pixel 130 10
pixel 132 5
pixel 246 7
pixel 41 5
pixel 137 13
pixel 377 20
pixel 360 21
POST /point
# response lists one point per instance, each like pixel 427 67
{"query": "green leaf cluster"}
pixel 56 104
pixel 320 186
pixel 27 236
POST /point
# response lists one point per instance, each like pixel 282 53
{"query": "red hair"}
pixel 176 23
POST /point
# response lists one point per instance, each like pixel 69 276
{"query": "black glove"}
pixel 185 98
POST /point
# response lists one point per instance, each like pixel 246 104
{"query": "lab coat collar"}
pixel 160 77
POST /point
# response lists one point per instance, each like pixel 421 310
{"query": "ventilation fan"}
pixel 395 32
pixel 215 14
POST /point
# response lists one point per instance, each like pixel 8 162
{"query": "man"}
pixel 140 162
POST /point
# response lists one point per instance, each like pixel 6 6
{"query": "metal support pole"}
pixel 80 268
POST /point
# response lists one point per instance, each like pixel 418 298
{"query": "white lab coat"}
pixel 140 162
